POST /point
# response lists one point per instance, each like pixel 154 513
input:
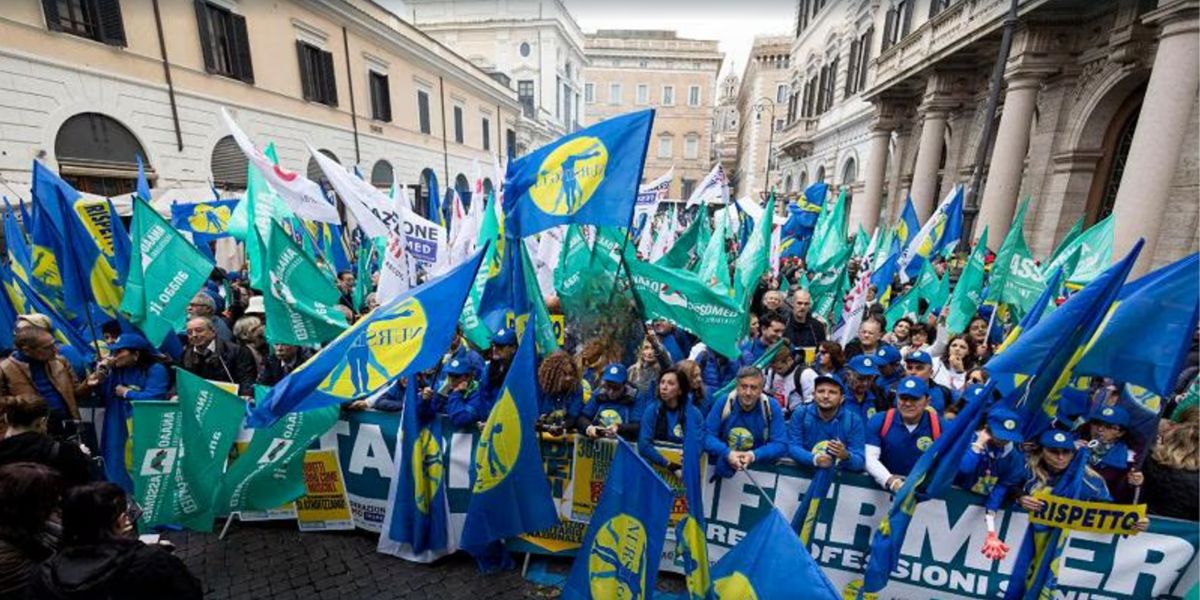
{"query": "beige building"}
pixel 725 124
pixel 533 44
pixel 761 105
pixel 633 70
pixel 1098 113
pixel 86 91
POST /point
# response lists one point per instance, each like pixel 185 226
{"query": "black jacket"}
pixel 810 333
pixel 1170 492
pixel 117 568
pixel 66 457
pixel 228 362
pixel 273 369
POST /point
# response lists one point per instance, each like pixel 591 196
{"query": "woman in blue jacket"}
pixel 668 420
pixel 133 371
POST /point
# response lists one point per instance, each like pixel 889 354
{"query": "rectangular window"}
pixel 689 186
pixel 694 95
pixel 589 92
pixel 614 93
pixel 852 70
pixel 381 97
pixel 664 146
pixel 316 74
pixel 643 94
pixel 864 56
pixel 781 93
pixel 558 97
pixel 458 124
pixel 668 95
pixel 223 42
pixel 510 140
pixel 691 146
pixel 98 20
pixel 525 96
pixel 487 134
pixel 423 111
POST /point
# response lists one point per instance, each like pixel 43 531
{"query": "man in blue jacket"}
pixel 770 330
pixel 897 437
pixel 614 409
pixel 822 434
pixel 919 364
pixel 463 401
pixel 744 427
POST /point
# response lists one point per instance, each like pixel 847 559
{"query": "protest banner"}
pixel 324 506
pixel 158 428
pixel 1078 515
pixel 366 446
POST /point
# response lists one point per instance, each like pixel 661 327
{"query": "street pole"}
pixel 762 104
pixel 971 207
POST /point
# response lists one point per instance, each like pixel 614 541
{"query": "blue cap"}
pixel 973 391
pixel 505 337
pixel 614 373
pixel 919 356
pixel 1055 438
pixel 131 341
pixel 887 354
pixel 864 365
pixel 458 367
pixel 829 378
pixel 1113 415
pixel 912 387
pixel 1005 425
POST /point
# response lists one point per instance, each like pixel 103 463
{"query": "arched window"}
pixel 1115 152
pixel 228 165
pixel 314 172
pixel 787 183
pixel 97 154
pixel 802 181
pixel 428 183
pixel 849 173
pixel 488 188
pixel 820 176
pixel 382 175
pixel 463 188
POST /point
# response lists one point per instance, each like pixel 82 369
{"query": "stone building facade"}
pixel 761 103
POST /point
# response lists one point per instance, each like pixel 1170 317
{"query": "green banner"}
pixel 755 258
pixel 212 417
pixel 964 303
pixel 489 233
pixel 300 300
pixel 157 431
pixel 684 252
pixel 1016 280
pixel 680 297
pixel 165 273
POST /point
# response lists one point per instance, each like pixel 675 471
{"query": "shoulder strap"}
pixel 766 408
pixel 727 408
pixel 888 417
pixel 934 423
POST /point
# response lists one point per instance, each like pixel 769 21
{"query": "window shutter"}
pixel 865 58
pixel 907 21
pixel 50 7
pixel 385 96
pixel 241 40
pixel 889 24
pixel 306 71
pixel 206 41
pixel 329 94
pixel 112 28
pixel 851 65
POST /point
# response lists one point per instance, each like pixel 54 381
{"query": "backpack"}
pixel 766 410
pixel 890 416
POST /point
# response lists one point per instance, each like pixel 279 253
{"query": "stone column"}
pixel 866 208
pixel 929 152
pixel 1007 162
pixel 900 160
pixel 1162 125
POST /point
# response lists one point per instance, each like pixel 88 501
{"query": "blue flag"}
pixel 797 231
pixel 805 517
pixel 951 227
pixel 26 300
pixel 404 336
pixel 19 257
pixel 1039 309
pixel 1157 311
pixel 331 243
pixel 419 516
pixel 510 494
pixel 621 549
pixel 208 220
pixel 908 225
pixel 1035 572
pixel 122 246
pixel 143 186
pixel 587 177
pixel 882 277
pixel 691 546
pixel 8 314
pixel 770 562
pixel 1044 357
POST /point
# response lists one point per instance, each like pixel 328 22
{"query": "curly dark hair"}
pixel 558 373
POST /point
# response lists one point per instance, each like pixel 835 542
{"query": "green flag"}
pixel 1016 280
pixel 714 264
pixel 862 241
pixel 683 252
pixel 827 289
pixel 270 472
pixel 904 304
pixel 364 265
pixel 884 249
pixel 165 273
pixel 261 206
pixel 157 431
pixel 212 416
pixel 1067 242
pixel 934 290
pixel 544 336
pixel 755 258
pixel 964 303
pixel 1095 254
pixel 682 298
pixel 829 247
pixel 300 301
pixel 573 263
pixel 489 233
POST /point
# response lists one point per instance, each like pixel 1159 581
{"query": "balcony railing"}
pixel 798 136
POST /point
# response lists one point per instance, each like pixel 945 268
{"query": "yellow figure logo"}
pixel 380 350
pixel 852 589
pixel 499 444
pixel 569 176
pixel 924 442
pixel 740 438
pixel 1146 398
pixel 45 268
pixel 734 586
pixel 608 417
pixel 692 550
pixel 427 469
pixel 212 219
pixel 617 561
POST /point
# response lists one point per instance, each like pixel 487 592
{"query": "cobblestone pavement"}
pixel 274 560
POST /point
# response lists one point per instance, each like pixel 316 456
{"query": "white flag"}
pixel 366 203
pixel 714 187
pixel 303 196
pixel 852 311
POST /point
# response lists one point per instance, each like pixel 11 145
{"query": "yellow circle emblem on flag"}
pixel 45 267
pixel 617 561
pixel 608 417
pixel 427 469
pixel 688 549
pixel 569 176
pixel 379 351
pixel 499 444
pixel 924 442
pixel 852 588
pixel 734 586
pixel 106 286
pixel 740 438
pixel 209 219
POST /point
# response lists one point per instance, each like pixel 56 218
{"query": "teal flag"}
pixel 1095 253
pixel 755 258
pixel 261 206
pixel 270 472
pixel 827 288
pixel 685 251
pixel 683 299
pixel 714 264
pixel 1068 241
pixel 212 417
pixel 157 431
pixel 573 263
pixel 489 237
pixel 536 310
pixel 964 302
pixel 301 302
pixel 165 273
pixel 829 248
pixel 862 241
pixel 1016 281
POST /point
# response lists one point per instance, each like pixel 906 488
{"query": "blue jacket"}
pixel 807 433
pixel 1093 489
pixel 752 349
pixel 626 412
pixel 900 449
pixel 865 409
pixel 992 473
pixel 677 344
pixel 464 352
pixel 716 370
pixel 465 408
pixel 674 433
pixel 153 383
pixel 744 430
pixel 570 404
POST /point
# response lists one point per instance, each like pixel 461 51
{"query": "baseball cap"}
pixel 458 367
pixel 887 355
pixel 864 365
pixel 1113 415
pixel 912 387
pixel 505 337
pixel 830 378
pixel 1054 438
pixel 1005 425
pixel 130 341
pixel 614 373
pixel 919 356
